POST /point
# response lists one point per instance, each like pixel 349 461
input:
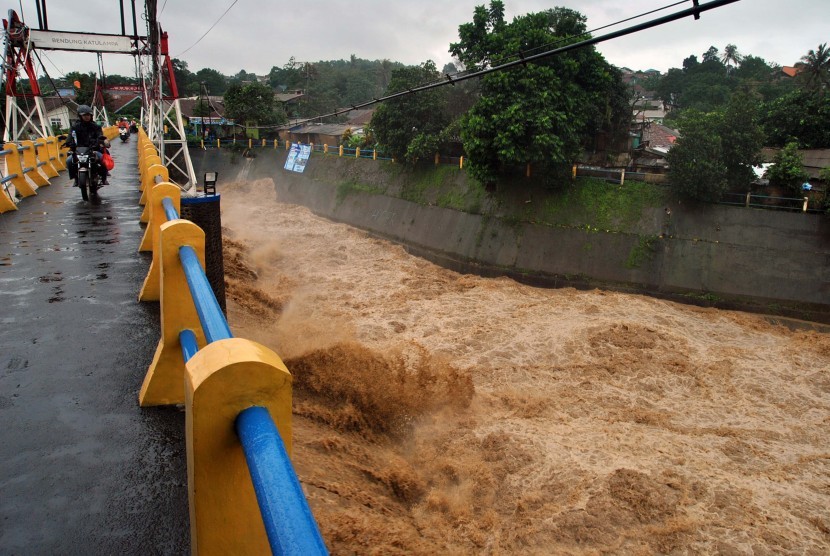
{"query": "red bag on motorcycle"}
pixel 109 163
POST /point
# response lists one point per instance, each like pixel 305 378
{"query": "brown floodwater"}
pixel 436 412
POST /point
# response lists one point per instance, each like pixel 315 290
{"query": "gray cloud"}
pixel 258 34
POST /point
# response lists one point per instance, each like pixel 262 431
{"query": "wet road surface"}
pixel 83 470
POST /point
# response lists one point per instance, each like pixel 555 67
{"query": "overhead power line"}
pixel 694 11
pixel 589 32
pixel 209 30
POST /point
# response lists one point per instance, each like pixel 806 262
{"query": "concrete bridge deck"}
pixel 83 470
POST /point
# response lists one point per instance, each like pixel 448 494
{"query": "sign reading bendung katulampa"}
pixel 297 157
pixel 58 40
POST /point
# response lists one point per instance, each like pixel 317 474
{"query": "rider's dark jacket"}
pixel 86 134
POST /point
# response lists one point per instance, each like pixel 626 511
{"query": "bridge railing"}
pixel 28 166
pixel 245 497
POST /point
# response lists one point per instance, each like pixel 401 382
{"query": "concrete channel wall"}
pixel 732 257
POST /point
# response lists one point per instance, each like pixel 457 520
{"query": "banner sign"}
pixel 297 157
pixel 59 40
pixel 213 120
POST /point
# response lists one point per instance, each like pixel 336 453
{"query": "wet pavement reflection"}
pixel 83 470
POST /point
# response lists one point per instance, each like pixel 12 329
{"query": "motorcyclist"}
pixel 86 133
pixel 122 123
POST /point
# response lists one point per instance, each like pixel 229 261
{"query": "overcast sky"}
pixel 258 34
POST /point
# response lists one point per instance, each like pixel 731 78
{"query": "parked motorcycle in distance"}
pixel 124 133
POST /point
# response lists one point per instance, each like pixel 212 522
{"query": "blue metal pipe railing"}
pixel 8 178
pixel 169 209
pixel 210 314
pixel 289 523
pixel 187 339
pixel 287 518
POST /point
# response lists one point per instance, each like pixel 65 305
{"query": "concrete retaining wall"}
pixel 752 259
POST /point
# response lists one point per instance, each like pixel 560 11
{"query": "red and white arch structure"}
pixel 161 112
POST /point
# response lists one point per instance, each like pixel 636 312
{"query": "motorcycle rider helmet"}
pixel 84 109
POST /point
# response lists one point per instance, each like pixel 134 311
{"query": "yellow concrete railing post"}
pixel 250 142
pixel 151 289
pixel 374 154
pixel 222 380
pixel 202 143
pixel 622 177
pixel 218 143
pixel 42 152
pixel 325 148
pixel 30 161
pixel 263 143
pixel 155 212
pixel 148 181
pixel 287 145
pixel 341 150
pixel 437 159
pixel 574 172
pixel 14 165
pixel 461 163
pixel 54 154
pixel 164 382
pixel 6 202
pixel 527 170
pixel 276 144
pixel 357 152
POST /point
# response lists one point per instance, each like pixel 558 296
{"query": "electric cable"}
pixel 209 30
pixel 695 11
pixel 590 31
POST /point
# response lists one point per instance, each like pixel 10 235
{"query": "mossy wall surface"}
pixel 586 236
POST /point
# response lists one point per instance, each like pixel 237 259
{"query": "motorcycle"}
pixel 124 133
pixel 89 173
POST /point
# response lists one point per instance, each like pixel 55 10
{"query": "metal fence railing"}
pixel 752 200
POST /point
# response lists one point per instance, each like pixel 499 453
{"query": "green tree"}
pixel 787 169
pixel 253 102
pixel 717 150
pixel 540 113
pixel 742 139
pixel 731 56
pixel 800 115
pixel 817 68
pixel 85 94
pixel 697 170
pixel 410 118
pixel 711 55
pixel 215 82
pixel 185 80
pixel 757 75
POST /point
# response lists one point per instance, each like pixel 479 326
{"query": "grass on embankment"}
pixel 590 203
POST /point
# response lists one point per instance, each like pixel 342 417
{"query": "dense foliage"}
pixel 802 115
pixel 540 113
pixel 717 150
pixel 408 127
pixel 697 167
pixel 254 103
pixel 788 169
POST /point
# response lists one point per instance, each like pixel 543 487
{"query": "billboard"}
pixel 297 157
